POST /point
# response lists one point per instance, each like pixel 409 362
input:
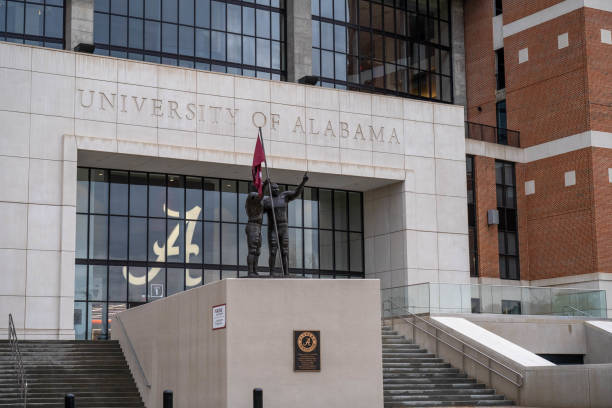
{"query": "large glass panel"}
pixel 326 249
pixel 97 319
pixel 175 281
pixel 295 248
pixel 176 240
pixel 80 282
pixel 212 242
pixel 119 192
pixel 229 200
pixel 340 212
pixel 97 282
pixel 325 208
pixel 117 285
pixel 354 201
pixel 341 251
pixel 230 244
pixel 98 191
pixel 137 284
pixel 34 15
pixel 157 240
pixel 156 283
pixel 138 239
pixel 118 238
pixel 356 252
pixel 157 195
pixel 311 249
pixel 80 322
pixel 98 236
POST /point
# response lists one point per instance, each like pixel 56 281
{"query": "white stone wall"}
pixel 58 107
pixel 416 229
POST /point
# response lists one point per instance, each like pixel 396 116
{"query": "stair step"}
pixel 95 372
pixel 413 377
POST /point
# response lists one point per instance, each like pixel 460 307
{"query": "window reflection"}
pixel 144 236
pixel 222 36
pixel 371 40
pixel 32 22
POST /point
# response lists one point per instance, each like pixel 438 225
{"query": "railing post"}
pixel 168 396
pixel 463 357
pixel 437 341
pixel 490 374
pixel 257 398
pixel 69 401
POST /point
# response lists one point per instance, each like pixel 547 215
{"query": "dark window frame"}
pixel 508 221
pixel 472 215
pixel 431 48
pixel 500 70
pixel 237 270
pixel 210 63
pixel 30 39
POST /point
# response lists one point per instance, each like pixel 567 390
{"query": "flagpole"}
pixel 278 243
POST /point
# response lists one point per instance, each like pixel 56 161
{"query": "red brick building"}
pixel 542 68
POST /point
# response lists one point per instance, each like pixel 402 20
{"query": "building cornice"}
pixel 591 138
pixel 552 13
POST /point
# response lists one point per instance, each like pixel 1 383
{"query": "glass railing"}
pixel 497 299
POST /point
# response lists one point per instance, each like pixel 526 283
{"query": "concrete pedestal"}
pixel 175 344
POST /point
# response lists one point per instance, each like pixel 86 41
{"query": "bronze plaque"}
pixel 306 350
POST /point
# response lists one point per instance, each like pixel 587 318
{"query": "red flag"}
pixel 258 157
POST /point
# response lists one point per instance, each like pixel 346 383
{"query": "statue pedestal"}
pixel 178 349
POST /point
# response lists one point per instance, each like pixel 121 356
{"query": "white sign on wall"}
pixel 218 317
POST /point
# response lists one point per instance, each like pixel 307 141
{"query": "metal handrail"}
pixel 518 383
pixel 577 310
pixel 133 351
pixel 492 134
pixel 21 376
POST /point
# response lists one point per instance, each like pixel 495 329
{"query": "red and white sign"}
pixel 218 317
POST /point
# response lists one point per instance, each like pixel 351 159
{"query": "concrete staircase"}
pixel 95 372
pixel 412 377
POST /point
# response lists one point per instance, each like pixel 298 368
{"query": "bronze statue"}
pixel 281 202
pixel 254 210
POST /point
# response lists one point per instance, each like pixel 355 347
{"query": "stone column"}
pixel 299 39
pixel 79 23
pixel 458 43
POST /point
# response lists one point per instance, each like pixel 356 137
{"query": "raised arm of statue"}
pixel 293 194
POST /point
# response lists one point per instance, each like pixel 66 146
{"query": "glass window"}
pixel 32 22
pixel 508 224
pixel 144 236
pixel 178 32
pixel 385 33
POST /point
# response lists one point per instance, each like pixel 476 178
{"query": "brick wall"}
pixel 516 9
pixel 602 161
pixel 479 61
pixel 547 95
pixel 486 199
pixel 599 69
pixel 560 230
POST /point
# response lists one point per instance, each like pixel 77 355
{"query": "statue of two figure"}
pixel 255 207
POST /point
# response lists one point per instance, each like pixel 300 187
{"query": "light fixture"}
pixel 309 80
pixel 86 48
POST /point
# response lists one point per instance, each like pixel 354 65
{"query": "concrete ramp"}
pixel 492 341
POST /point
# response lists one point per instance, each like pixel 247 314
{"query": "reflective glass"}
pixel 34 19
pixel 80 282
pixel 169 38
pixel 202 14
pixel 234 20
pixel 117 284
pixel 263 53
pixel 180 244
pixel 136 33
pixel 186 40
pixel 118 238
pixel 97 281
pixel 229 244
pixel 218 15
pixel 98 236
pixel 218 45
pixel 137 288
pixel 14 17
pixel 262 23
pixel 175 281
